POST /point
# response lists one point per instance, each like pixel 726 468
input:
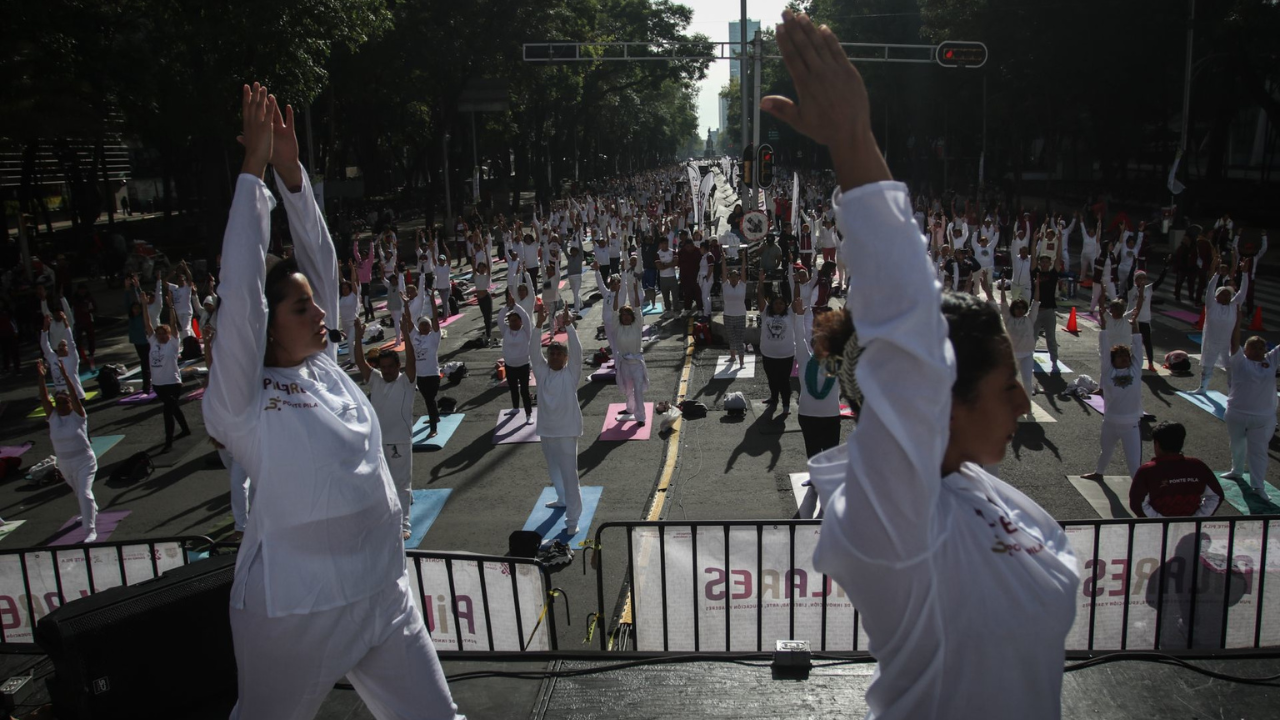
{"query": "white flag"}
pixel 1175 187
pixel 693 191
pixel 704 193
pixel 795 203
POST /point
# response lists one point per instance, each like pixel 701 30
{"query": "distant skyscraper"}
pixel 735 30
pixel 724 113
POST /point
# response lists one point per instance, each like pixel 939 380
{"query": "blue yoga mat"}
pixel 1241 495
pixel 1195 337
pixel 1212 402
pixel 427 505
pixel 444 431
pixel 549 522
pixel 654 309
pixel 102 443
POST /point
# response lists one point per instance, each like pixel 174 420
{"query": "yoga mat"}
pixel 1212 402
pixel 808 503
pixel 549 522
pixel 9 527
pixel 444 430
pixel 1241 495
pixel 605 374
pixel 102 443
pixel 1196 338
pixel 726 372
pixel 381 305
pixel 73 532
pixel 1097 402
pixel 795 368
pixel 197 394
pixel 426 507
pixel 1044 365
pixel 450 320
pixel 39 412
pixel 619 431
pixel 87 375
pixel 560 337
pixel 137 398
pixel 15 450
pixel 1091 318
pixel 135 372
pixel 513 429
pixel 654 309
pixel 1109 498
pixel 397 347
pixel 1039 415
pixel 1185 316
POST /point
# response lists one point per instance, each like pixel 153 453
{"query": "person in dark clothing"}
pixel 688 260
pixel 1046 276
pixel 1183 261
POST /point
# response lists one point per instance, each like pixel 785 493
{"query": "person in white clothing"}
pixel 560 416
pixel 919 554
pixel 1251 408
pixel 628 356
pixel 166 376
pixel 1121 382
pixel 777 338
pixel 1142 288
pixel 1221 310
pixel 1020 323
pixel 391 394
pixel 62 326
pixel 242 487
pixel 515 353
pixel 69 433
pixel 733 289
pixel 425 342
pixel 819 406
pixel 183 295
pixel 706 268
pixel 1089 248
pixel 349 303
pixel 321 590
pixel 62 355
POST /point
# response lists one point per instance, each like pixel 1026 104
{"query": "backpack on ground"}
pixel 447 405
pixel 600 357
pixel 701 333
pixel 455 371
pixel 1178 362
pixel 191 349
pixel 735 402
pixel 108 381
pixel 693 409
pixel 523 544
pixel 133 469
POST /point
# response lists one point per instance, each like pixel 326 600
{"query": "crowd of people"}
pixel 944 372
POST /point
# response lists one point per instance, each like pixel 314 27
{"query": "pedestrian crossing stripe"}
pixel 1045 365
pixel 1108 497
pixel 808 503
pixel 1038 415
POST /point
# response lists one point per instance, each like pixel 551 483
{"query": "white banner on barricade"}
pixel 1174 597
pixel 72 573
pixel 486 601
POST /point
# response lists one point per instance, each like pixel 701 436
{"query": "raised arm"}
pixel 73 397
pixel 410 356
pixel 357 351
pixel 42 391
pixel 575 346
pixel 234 381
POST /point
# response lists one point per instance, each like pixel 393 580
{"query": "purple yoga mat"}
pixel 607 373
pixel 197 394
pixel 513 429
pixel 137 399
pixel 628 430
pixel 1097 403
pixel 1185 316
pixel 15 450
pixel 73 532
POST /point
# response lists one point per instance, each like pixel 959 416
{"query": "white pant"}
pixel 184 325
pixel 348 332
pixel 1026 368
pixel 705 286
pixel 79 474
pixel 633 381
pixel 1020 292
pixel 395 326
pixel 241 489
pixel 1249 437
pixel 1212 354
pixel 288 665
pixel 562 464
pixel 400 462
pixel 1126 433
pixel 575 283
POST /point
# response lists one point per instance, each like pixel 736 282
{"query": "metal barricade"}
pixel 1192 586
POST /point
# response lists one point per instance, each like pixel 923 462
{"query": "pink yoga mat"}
pixel 450 320
pixel 1185 316
pixel 513 429
pixel 1097 403
pixel 560 337
pixel 15 450
pixel 197 394
pixel 136 399
pixel 795 369
pixel 73 532
pixel 616 431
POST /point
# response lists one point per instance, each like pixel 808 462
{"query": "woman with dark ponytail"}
pixel 965 587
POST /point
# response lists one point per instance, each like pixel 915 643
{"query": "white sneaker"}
pixel 571 530
pixel 554 504
pixel 92 536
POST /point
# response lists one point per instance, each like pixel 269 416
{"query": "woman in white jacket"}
pixel 1020 323
pixel 320 588
pixel 965 587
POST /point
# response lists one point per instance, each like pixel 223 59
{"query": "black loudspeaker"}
pixel 145 650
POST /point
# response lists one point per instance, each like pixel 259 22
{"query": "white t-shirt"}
pixel 70 436
pixel 348 308
pixel 393 404
pixel 810 404
pixel 966 588
pixel 426 349
pixel 735 298
pixel 1145 314
pixel 1122 389
pixel 515 343
pixel 1253 384
pixel 1022 331
pixel 164 362
pixel 666 256
pixel 777 335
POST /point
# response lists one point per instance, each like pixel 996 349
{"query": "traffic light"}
pixel 764 166
pixel 746 168
pixel 958 54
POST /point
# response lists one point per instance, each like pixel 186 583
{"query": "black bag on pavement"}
pixel 446 405
pixel 191 349
pixel 135 468
pixel 523 544
pixel 692 410
pixel 108 382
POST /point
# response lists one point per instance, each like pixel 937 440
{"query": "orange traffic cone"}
pixel 1071 323
pixel 1200 322
pixel 1256 325
pixel 195 329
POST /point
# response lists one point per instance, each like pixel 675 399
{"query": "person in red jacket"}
pixel 1173 485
